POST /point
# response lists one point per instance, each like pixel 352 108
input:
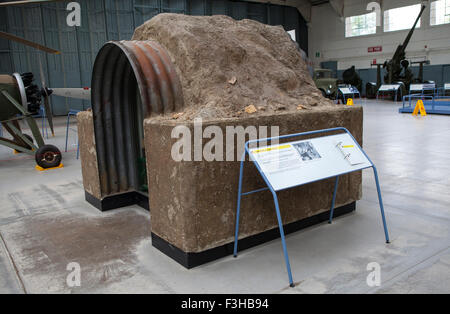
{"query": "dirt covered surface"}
pixel 232 68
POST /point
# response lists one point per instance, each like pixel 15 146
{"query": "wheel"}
pixel 48 156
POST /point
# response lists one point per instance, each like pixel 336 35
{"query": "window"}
pixel 323 73
pixel 440 12
pixel 359 25
pixel 401 18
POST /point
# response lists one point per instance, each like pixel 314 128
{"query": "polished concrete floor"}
pixel 45 224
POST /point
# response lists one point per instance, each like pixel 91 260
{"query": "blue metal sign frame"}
pixel 354 91
pixel 275 198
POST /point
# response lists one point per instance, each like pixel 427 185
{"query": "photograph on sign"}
pixel 307 151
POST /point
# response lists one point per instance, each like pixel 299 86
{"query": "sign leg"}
pixel 283 241
pixel 381 204
pixel 238 209
pixel 67 130
pixel 333 200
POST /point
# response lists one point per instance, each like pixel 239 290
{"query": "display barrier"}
pixel 346 92
pixel 291 164
pixel 443 91
pixel 72 112
pixel 423 88
pixel 432 104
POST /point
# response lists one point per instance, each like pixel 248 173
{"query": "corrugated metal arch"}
pixel 131 80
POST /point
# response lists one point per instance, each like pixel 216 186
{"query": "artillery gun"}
pixel 371 87
pixel 397 68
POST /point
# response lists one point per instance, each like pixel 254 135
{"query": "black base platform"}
pixel 118 200
pixel 190 260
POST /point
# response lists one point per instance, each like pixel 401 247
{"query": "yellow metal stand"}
pixel 419 108
pixel 43 169
pixel 350 102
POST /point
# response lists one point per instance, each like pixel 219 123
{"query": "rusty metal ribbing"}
pixel 131 80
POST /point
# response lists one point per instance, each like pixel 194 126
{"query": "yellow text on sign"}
pixel 268 149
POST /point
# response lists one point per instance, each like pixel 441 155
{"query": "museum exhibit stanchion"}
pixel 307 161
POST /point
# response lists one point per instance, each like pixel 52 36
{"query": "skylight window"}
pixel 360 25
pixel 401 18
pixel 440 12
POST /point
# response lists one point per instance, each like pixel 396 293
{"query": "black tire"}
pixel 48 156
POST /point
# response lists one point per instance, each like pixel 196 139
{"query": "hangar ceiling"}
pixel 304 6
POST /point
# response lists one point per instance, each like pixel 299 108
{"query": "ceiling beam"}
pixel 338 6
pixel 303 6
pixel 22 2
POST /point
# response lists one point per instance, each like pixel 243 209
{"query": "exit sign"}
pixel 375 49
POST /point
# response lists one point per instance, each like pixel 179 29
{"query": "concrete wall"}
pixel 329 39
pixel 194 208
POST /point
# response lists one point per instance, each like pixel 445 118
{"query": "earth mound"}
pixel 231 68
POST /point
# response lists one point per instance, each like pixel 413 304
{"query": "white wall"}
pixel 327 36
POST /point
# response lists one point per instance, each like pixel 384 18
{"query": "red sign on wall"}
pixel 375 49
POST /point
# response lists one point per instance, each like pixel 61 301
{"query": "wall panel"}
pixel 55 64
pixel 5 48
pixel 101 21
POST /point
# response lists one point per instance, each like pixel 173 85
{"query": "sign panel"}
pixel 447 86
pixel 345 90
pixel 300 162
pixel 348 89
pixel 421 87
pixel 415 87
pixel 375 49
pixel 389 87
